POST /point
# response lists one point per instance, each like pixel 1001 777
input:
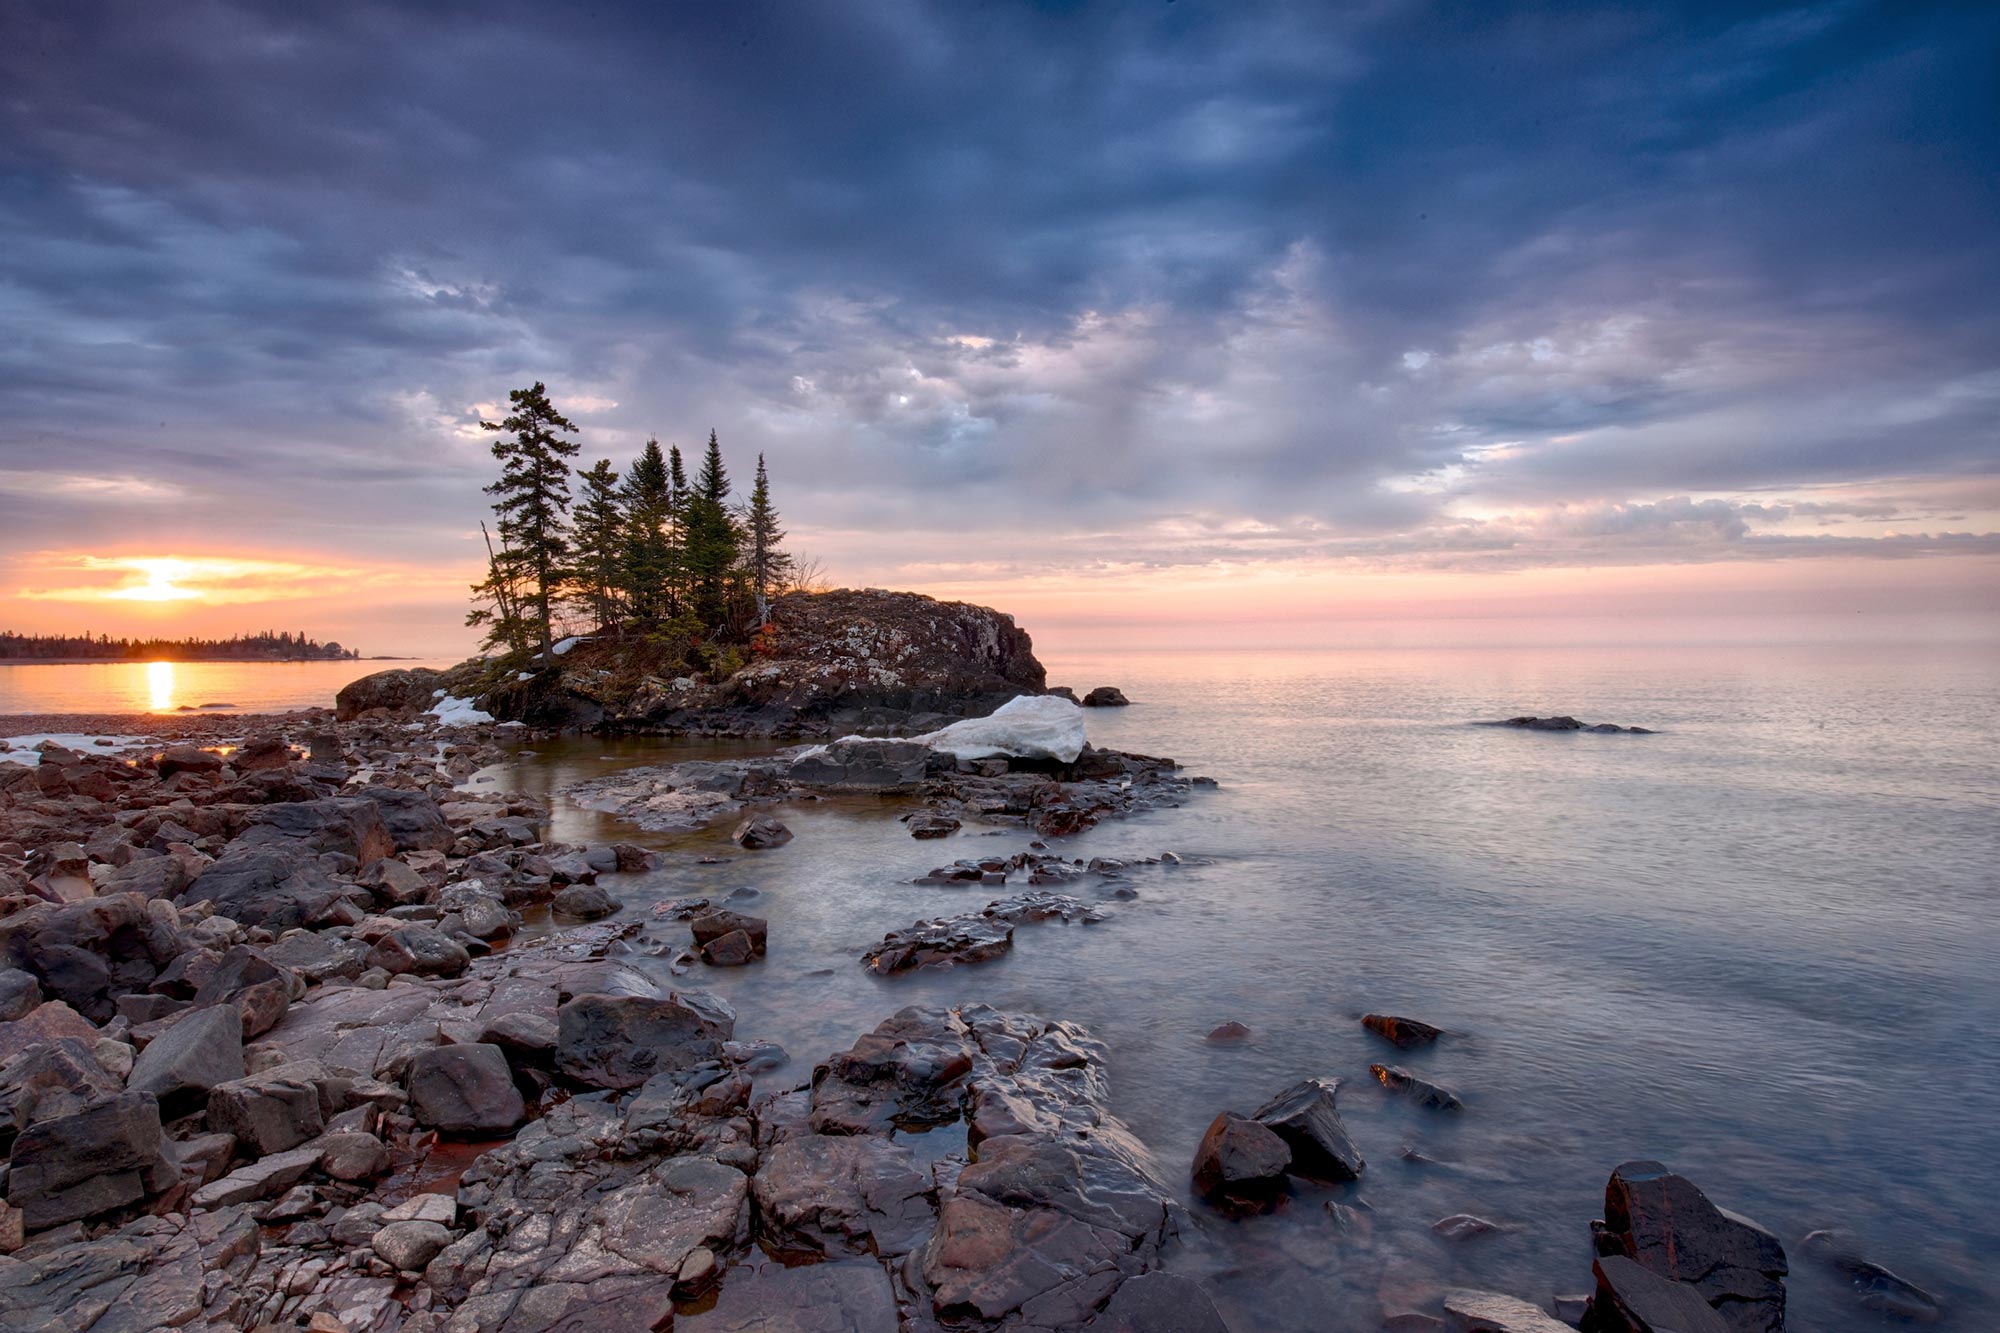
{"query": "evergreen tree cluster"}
pixel 648 552
pixel 270 646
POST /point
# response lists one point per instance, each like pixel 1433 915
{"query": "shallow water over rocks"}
pixel 1757 946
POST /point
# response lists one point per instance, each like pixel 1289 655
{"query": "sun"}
pixel 159 584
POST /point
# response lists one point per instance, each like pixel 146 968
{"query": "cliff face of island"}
pixel 829 662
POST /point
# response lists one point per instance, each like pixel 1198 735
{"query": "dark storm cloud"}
pixel 1034 267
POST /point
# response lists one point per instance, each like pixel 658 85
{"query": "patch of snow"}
pixel 567 644
pixel 452 712
pixel 21 749
pixel 437 694
pixel 1034 726
pixel 513 724
pixel 525 675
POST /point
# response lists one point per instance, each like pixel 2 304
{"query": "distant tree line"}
pixel 650 552
pixel 270 646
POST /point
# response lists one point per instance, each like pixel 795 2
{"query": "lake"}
pixel 1762 946
pixel 166 687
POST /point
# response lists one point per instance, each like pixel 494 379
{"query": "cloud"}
pixel 1162 283
pixel 206 580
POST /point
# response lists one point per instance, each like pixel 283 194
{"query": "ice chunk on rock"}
pixel 1034 726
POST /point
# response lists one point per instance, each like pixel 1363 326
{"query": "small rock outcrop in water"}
pixel 1672 1236
pixel 1403 1032
pixel 1303 1115
pixel 760 831
pixel 1566 723
pixel 1240 1161
pixel 972 937
pixel 1421 1091
pixel 1875 1288
pixel 1106 696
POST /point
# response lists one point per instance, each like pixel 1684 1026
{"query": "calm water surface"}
pixel 1761 946
pixel 166 687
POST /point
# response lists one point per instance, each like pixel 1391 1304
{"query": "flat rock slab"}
pixel 846 1297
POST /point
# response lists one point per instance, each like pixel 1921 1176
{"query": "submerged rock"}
pixel 760 831
pixel 1403 1032
pixel 1469 1311
pixel 1876 1288
pixel 1423 1092
pixel 1668 1226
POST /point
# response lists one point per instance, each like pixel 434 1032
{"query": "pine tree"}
pixel 597 569
pixel 647 571
pixel 713 540
pixel 678 495
pixel 764 557
pixel 531 502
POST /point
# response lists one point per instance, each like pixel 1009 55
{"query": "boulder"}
pixel 525 1037
pixel 584 902
pixel 1876 1288
pixel 1632 1299
pixel 860 764
pixel 182 1064
pixel 620 1041
pixel 255 986
pixel 732 950
pixel 19 993
pixel 272 1111
pixel 1303 1115
pixel 1421 1091
pixel 278 887
pixel 262 1179
pixel 408 1246
pixel 1240 1159
pixel 352 1154
pixel 760 831
pixel 1159 1303
pixel 465 1092
pixel 109 1154
pixel 395 882
pixel 319 955
pixel 403 690
pixel 1666 1225
pixel 1468 1311
pixel 349 825
pixel 420 950
pixel 47 1081
pixel 414 821
pixel 481 911
pixel 1105 696
pixel 187 759
pixel 147 876
pixel 713 925
pixel 1403 1032
pixel 52 1020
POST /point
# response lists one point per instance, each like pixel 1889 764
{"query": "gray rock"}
pixel 109 1154
pixel 202 1049
pixel 262 1179
pixel 49 1080
pixel 1239 1159
pixel 760 831
pixel 465 1091
pixel 1421 1091
pixel 1468 1311
pixel 277 887
pixel 271 1111
pixel 864 765
pixel 349 825
pixel 1303 1115
pixel 421 950
pixel 614 1041
pixel 19 994
pixel 1668 1226
pixel 414 821
pixel 352 1155
pixel 584 902
pixel 525 1037
pixel 713 925
pixel 410 1245
pixel 1403 1032
pixel 1160 1303
pixel 1631 1299
pixel 841 1297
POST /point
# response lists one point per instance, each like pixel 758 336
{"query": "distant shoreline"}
pixel 195 661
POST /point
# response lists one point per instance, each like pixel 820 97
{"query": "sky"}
pixel 1151 323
